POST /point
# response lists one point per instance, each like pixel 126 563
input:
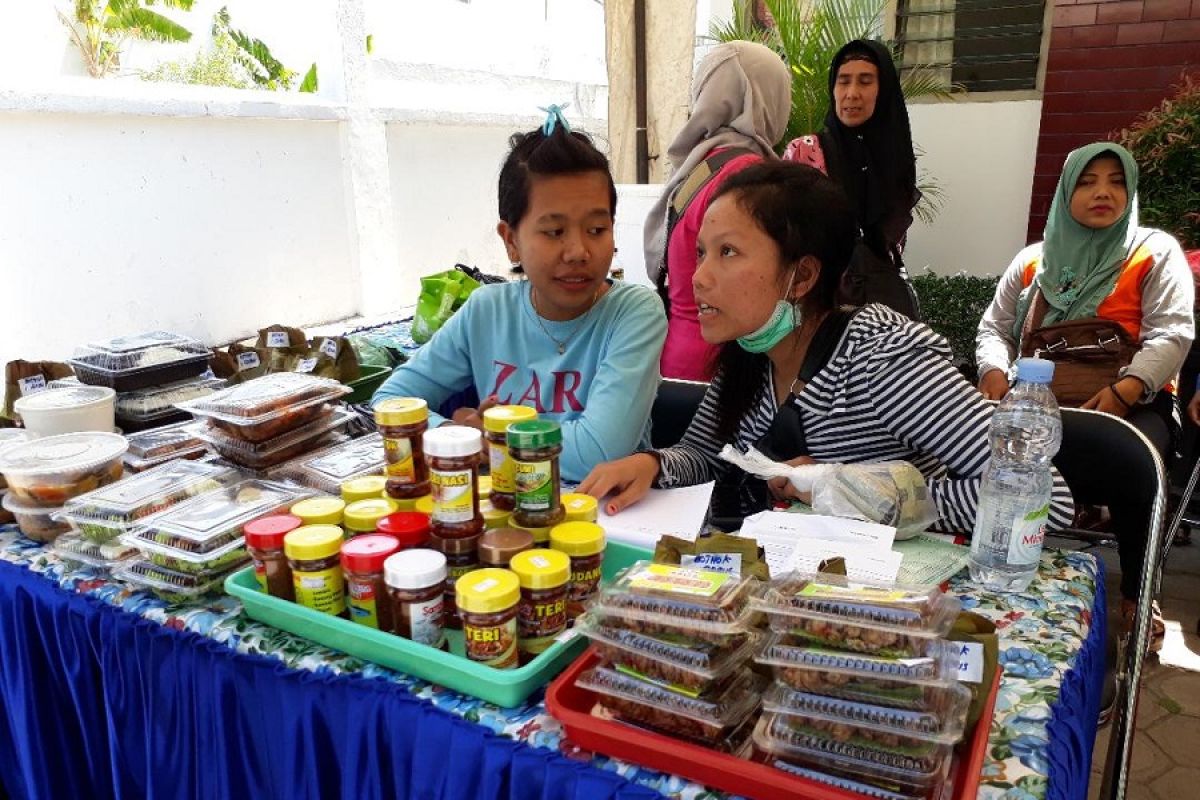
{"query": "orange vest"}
pixel 1124 305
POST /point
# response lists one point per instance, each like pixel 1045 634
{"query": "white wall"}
pixel 982 155
pixel 210 227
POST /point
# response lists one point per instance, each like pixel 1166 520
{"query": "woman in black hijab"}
pixel 867 147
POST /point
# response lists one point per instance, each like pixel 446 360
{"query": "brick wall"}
pixel 1109 61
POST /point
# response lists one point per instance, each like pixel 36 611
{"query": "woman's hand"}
pixel 782 489
pixel 626 479
pixel 473 417
pixel 993 385
pixel 1118 399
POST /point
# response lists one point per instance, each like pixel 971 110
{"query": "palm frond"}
pixel 142 23
pixel 309 84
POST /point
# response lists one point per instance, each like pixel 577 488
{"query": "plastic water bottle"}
pixel 1014 498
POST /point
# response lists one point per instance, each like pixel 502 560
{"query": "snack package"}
pixel 335 358
pixel 284 347
pixel 247 363
pixel 26 377
pixel 746 552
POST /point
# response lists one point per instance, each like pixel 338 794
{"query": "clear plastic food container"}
pixel 707 720
pixel 835 612
pixel 864 785
pixel 267 407
pixel 148 406
pixel 129 363
pixel 50 471
pixel 35 522
pixel 910 766
pixel 942 724
pixel 273 452
pixel 74 549
pixel 10 437
pixel 328 468
pixel 6 517
pixel 171 586
pixel 196 453
pixel 212 520
pixel 898 682
pixel 112 510
pixel 225 557
pixel 685 665
pixel 52 412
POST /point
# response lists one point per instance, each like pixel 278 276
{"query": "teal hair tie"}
pixel 554 117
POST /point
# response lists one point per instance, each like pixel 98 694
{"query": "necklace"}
pixel 562 343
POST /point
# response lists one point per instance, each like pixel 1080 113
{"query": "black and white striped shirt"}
pixel 888 393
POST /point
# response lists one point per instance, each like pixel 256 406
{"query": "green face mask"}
pixel 784 319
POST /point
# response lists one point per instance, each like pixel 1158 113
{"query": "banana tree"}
pixel 808 34
pixel 102 28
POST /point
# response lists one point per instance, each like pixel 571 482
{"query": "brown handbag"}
pixel 1088 354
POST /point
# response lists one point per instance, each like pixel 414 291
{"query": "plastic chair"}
pixel 1093 441
pixel 673 409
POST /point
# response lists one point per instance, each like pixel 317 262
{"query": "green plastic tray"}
pixel 504 687
pixel 369 379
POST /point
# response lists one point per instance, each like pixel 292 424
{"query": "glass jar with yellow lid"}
pixel 323 510
pixel 542 612
pixel 487 602
pixel 495 425
pixel 362 516
pixel 367 487
pixel 580 507
pixel 314 554
pixel 583 542
pixel 402 422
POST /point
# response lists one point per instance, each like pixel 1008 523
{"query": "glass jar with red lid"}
pixel 264 543
pixel 366 592
pixel 411 528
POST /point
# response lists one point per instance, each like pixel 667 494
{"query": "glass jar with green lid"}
pixel 535 448
pixel 362 516
pixel 402 421
pixel 314 554
pixel 495 425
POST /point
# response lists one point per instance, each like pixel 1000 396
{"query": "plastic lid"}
pixel 500 545
pixel 266 397
pixel 541 569
pixel 497 418
pixel 141 351
pixel 414 569
pixel 320 510
pixel 534 434
pixel 14 436
pixel 539 534
pixel 313 542
pixel 453 441
pixel 693 599
pixel 410 528
pixel 162 399
pixel 1034 370
pixel 401 411
pixel 147 492
pixel 364 515
pixel 580 507
pixel 330 468
pixel 215 518
pixel 578 538
pixel 943 724
pixel 141 341
pixel 455 547
pixel 70 397
pixel 486 591
pixel 66 453
pixel 363 488
pixel 367 553
pixel 493 517
pixel 163 441
pixel 266 533
pixel 422 505
pixel 483 487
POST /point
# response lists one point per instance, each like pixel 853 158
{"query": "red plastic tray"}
pixel 572 706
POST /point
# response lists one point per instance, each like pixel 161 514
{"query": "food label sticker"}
pixel 484 585
pixel 970 662
pixel 330 348
pixel 306 365
pixel 539 561
pixel 248 360
pixel 501 467
pixel 853 592
pixel 277 339
pixel 729 563
pixel 34 383
pixel 400 466
pixel 535 487
pixel 567 635
pixel 669 578
pixel 453 495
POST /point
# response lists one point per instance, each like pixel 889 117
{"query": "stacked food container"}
pixel 329 468
pixel 45 473
pixel 189 548
pixel 266 421
pixel 866 695
pixel 676 644
pixel 150 448
pixel 150 372
pixel 9 437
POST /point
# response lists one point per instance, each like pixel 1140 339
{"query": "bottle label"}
pixel 323 590
pixel 362 603
pixel 425 621
pixel 539 624
pixel 398 453
pixel 1028 534
pixel 501 467
pixel 453 495
pixel 535 488
pixel 260 574
pixel 494 645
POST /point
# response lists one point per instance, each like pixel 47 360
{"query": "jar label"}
pixel 323 590
pixel 1028 535
pixel 425 621
pixel 535 488
pixel 260 574
pixel 540 622
pixel 584 582
pixel 362 603
pixel 494 645
pixel 398 453
pixel 501 467
pixel 453 495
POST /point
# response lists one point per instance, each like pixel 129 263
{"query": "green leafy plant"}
pixel 217 66
pixel 953 305
pixel 261 66
pixel 102 28
pixel 1165 142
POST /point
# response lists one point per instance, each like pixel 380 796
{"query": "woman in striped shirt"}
pixel 773 246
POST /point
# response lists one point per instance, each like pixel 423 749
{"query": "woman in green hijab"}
pixel 1096 262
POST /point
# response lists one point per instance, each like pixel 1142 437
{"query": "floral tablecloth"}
pixel 1041 632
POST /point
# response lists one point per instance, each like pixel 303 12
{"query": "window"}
pixel 982 45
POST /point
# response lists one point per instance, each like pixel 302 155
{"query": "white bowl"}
pixel 68 410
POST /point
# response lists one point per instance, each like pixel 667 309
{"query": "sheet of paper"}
pixel 786 526
pixel 674 512
pixel 877 566
pixel 931 558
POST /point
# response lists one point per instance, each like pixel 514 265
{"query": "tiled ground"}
pixel 1166 748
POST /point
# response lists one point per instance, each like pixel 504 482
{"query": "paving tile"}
pixel 1149 760
pixel 1178 736
pixel 1176 784
pixel 1184 689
